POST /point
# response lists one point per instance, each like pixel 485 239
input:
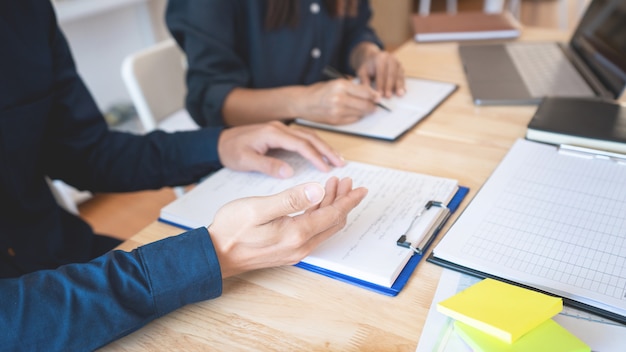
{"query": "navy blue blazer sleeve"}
pixel 80 307
pixel 76 143
pixel 228 46
pixel 85 153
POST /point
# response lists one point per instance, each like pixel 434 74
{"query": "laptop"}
pixel 592 64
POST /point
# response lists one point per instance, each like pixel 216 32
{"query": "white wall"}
pixel 101 33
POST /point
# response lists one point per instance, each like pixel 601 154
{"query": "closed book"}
pixel 502 310
pixel 469 25
pixel 547 337
pixel 585 122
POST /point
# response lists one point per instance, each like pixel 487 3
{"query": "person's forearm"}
pixel 245 106
pixel 80 307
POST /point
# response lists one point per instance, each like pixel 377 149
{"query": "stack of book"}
pixel 495 316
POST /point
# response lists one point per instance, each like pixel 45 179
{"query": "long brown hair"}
pixel 285 12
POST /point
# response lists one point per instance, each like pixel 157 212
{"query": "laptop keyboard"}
pixel 546 70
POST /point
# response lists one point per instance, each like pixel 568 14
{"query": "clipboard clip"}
pixel 433 223
pixel 589 153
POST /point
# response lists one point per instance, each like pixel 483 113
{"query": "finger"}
pixel 390 81
pixel 400 84
pixel 344 186
pixel 331 190
pixel 326 221
pixel 332 156
pixel 330 194
pixel 289 201
pixel 288 140
pixel 364 76
pixel 308 145
pixel 362 91
pixel 252 160
pixel 381 76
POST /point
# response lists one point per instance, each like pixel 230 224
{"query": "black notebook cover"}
pixel 586 122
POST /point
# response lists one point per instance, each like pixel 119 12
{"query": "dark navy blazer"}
pixel 50 125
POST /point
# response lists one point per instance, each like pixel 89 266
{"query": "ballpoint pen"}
pixel 334 73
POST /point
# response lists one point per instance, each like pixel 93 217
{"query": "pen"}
pixel 334 73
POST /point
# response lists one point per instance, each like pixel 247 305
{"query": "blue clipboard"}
pixel 405 274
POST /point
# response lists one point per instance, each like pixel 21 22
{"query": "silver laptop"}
pixel 593 63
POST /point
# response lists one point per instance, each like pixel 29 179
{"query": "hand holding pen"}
pixel 331 72
pixel 335 102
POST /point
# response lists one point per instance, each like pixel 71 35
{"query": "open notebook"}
pixel 365 252
pixel 421 98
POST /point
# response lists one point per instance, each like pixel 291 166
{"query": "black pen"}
pixel 332 72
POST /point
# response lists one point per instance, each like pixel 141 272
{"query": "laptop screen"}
pixel 600 40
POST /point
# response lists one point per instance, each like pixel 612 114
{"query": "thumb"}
pixel 289 201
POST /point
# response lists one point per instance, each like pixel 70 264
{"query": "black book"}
pixel 585 122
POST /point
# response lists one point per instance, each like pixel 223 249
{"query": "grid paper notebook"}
pixel 550 221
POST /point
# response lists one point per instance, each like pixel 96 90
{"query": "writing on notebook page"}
pixel 366 247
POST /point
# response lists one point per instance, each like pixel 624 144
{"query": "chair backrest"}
pixel 155 79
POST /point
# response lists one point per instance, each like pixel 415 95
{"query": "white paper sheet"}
pixel 366 248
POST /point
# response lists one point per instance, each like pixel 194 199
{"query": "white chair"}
pixel 67 196
pixel 155 79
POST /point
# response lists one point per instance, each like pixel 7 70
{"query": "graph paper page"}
pixel 551 221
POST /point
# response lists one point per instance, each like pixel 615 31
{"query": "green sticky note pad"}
pixel 549 336
pixel 499 309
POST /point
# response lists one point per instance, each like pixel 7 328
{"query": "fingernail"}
pixel 314 193
pixel 343 160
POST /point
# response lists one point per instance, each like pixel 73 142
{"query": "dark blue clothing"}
pixel 80 307
pixel 50 125
pixel 227 47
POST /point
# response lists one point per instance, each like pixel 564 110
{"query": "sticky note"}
pixel 502 310
pixel 549 336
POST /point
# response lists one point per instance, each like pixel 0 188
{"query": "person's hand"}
pixel 337 102
pixel 244 148
pixel 258 232
pixel 373 64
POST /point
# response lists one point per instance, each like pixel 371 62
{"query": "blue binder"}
pixel 405 274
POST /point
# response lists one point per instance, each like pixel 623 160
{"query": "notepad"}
pixel 547 337
pixel 502 310
pixel 365 252
pixel 549 220
pixel 421 98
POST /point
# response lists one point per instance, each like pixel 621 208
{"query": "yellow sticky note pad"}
pixel 547 337
pixel 502 310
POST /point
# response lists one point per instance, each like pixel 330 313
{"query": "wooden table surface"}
pixel 291 309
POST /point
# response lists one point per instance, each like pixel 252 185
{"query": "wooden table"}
pixel 290 309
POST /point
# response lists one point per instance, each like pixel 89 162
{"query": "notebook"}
pixel 580 122
pixel 366 252
pixel 593 63
pixel 551 221
pixel 421 98
pixel 468 25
